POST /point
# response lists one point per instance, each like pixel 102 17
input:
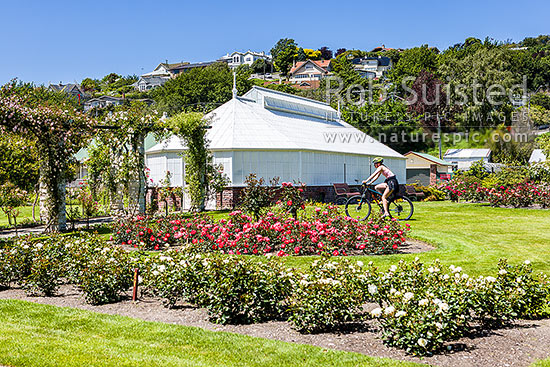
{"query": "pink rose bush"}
pixel 326 231
pixel 517 195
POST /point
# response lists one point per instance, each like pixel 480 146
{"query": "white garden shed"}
pixel 275 134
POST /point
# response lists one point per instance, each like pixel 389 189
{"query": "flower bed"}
pixel 326 231
pixel 516 195
pixel 420 307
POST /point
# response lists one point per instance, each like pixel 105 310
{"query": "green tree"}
pixel 89 85
pixel 284 53
pixel 541 99
pixel 412 62
pixel 260 66
pixel 199 90
pixel 471 81
pixel 301 55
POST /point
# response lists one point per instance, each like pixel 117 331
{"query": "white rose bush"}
pixel 419 307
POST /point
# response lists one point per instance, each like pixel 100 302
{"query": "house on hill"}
pixel 309 70
pixel 237 58
pixel 275 134
pixel 425 169
pixel 75 90
pixel 462 159
pixel 372 67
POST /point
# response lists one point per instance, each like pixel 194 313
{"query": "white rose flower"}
pixel 464 276
pixel 502 272
pixel 372 289
pixel 527 262
pixel 377 312
pixel 423 302
pixel 389 310
pixel 155 273
pixel 359 263
pixel 431 269
pixel 162 268
pixel 408 296
pixel 438 325
pixel 443 306
pixel 400 314
pixel 393 268
pixel 490 279
pixel 422 342
pixel 446 276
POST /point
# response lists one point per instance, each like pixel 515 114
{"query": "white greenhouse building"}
pixel 275 134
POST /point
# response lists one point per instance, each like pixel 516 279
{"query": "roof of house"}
pixel 153 80
pixel 467 153
pixel 320 64
pixel 264 119
pixel 194 65
pixel 431 158
pixel 537 156
pixel 106 97
pixel 68 88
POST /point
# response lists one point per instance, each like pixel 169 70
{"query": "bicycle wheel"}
pixel 357 208
pixel 341 200
pixel 401 208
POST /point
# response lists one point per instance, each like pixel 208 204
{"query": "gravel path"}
pixel 519 345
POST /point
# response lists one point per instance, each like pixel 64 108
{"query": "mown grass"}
pixel 41 335
pixel 473 236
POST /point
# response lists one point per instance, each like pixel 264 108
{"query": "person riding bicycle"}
pixel 388 187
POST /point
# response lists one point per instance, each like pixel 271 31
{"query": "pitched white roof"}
pixel 264 119
pixel 466 153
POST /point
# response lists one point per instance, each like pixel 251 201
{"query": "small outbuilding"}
pixel 275 134
pixel 462 159
pixel 425 169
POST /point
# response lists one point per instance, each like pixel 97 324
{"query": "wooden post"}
pixel 136 283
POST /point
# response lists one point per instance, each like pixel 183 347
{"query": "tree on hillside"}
pixel 284 53
pixel 260 66
pixel 199 89
pixel 339 52
pixel 428 100
pixel 480 83
pixel 301 55
pixel 312 54
pixel 412 62
pixel 89 85
pixel 326 53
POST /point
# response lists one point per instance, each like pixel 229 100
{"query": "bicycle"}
pixel 359 206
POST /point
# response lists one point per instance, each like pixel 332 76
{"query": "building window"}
pixel 309 67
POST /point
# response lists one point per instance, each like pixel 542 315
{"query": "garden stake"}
pixel 136 281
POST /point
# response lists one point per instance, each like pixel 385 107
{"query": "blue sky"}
pixel 52 41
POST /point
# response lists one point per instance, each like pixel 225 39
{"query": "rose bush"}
pixel 325 231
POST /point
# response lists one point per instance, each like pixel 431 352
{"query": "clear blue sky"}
pixel 51 41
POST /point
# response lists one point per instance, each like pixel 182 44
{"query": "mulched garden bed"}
pixel 518 345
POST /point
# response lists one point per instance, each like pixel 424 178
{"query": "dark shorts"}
pixel 393 186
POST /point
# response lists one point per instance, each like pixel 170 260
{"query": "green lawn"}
pixel 474 236
pixel 25 213
pixel 40 335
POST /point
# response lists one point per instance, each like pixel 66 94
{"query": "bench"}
pixel 342 190
pixel 413 194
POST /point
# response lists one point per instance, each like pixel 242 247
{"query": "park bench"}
pixel 413 194
pixel 343 191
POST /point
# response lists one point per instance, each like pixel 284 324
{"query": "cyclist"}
pixel 388 187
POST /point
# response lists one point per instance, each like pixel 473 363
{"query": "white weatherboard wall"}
pixel 311 168
pixel 274 134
